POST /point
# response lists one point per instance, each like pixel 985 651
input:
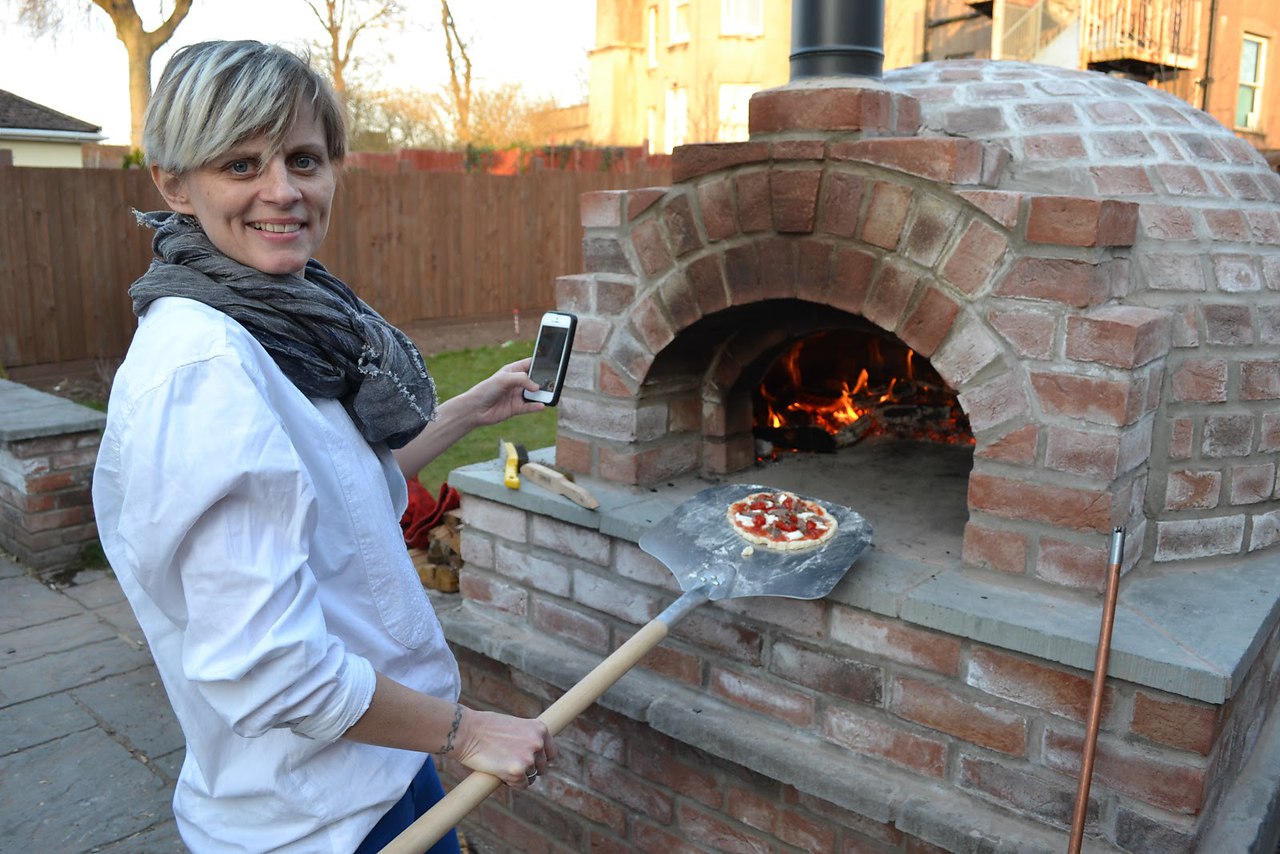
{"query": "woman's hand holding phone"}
pixel 551 356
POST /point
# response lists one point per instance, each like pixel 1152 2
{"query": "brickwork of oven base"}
pixel 938 735
pixel 658 768
pixel 622 784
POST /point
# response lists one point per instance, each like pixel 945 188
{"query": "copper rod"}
pixel 1099 682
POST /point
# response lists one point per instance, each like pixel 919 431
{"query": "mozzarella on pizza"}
pixel 781 521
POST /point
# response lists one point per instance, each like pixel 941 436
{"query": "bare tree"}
pixel 505 117
pixel 49 16
pixel 344 21
pixel 456 52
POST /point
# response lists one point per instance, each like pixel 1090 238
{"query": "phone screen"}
pixel 546 356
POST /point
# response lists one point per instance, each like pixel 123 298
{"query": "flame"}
pixel 792 399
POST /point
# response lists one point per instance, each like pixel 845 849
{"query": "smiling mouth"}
pixel 277 227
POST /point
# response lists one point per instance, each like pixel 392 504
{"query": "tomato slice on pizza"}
pixel 781 521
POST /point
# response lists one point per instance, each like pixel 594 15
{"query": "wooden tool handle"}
pixel 471 792
pixel 552 480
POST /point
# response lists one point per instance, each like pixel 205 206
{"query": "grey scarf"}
pixel 323 337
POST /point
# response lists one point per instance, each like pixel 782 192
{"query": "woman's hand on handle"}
pixel 515 750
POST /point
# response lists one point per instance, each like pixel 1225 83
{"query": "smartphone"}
pixel 551 356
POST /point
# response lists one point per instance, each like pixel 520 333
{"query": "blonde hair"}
pixel 214 95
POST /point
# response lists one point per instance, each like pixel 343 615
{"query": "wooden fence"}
pixel 416 246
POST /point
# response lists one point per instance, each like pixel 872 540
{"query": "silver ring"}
pixel 531 775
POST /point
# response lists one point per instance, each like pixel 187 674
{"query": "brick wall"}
pixel 48 447
pixel 1000 730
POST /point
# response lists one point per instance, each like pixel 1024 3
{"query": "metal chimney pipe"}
pixel 837 38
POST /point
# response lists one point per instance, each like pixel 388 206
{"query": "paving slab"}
pixel 170 764
pixel 121 618
pixel 61 635
pixel 25 602
pixel 9 569
pixel 39 721
pixel 158 839
pixel 89 747
pixel 77 792
pixel 95 588
pixel 65 670
pixel 128 703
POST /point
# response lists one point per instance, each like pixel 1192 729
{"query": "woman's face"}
pixel 267 213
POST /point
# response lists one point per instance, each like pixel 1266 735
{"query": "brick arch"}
pixel 933 266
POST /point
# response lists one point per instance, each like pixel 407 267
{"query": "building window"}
pixel 1253 63
pixel 742 17
pixel 652 20
pixel 734 101
pixel 679 21
pixel 650 130
pixel 676 120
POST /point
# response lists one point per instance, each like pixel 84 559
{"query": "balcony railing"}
pixel 1141 36
pixel 1024 29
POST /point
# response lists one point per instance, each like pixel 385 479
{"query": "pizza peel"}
pixel 706 556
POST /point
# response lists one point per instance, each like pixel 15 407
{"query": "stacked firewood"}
pixel 439 562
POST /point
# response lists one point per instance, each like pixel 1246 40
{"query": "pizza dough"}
pixel 781 521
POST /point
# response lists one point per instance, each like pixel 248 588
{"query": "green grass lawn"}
pixel 457 371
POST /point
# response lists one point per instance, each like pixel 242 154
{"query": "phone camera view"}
pixel 546 357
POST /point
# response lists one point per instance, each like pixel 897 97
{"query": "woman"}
pixel 251 479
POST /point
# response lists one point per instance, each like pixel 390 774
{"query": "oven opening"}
pixel 851 415
pixel 835 388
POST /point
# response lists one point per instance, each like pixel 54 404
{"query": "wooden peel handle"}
pixel 471 792
pixel 554 481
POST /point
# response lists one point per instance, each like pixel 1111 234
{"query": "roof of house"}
pixel 16 112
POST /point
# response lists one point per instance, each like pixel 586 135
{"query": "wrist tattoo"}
pixel 453 730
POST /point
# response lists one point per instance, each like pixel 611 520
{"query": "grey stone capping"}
pixel 26 413
pixel 1169 627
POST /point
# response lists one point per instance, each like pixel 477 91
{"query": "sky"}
pixel 83 72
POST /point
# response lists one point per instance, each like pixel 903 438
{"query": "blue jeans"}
pixel 421 796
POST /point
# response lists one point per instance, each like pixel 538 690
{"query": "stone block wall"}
pixel 48 447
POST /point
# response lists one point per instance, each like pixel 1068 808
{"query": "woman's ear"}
pixel 173 188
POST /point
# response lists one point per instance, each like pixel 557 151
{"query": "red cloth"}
pixel 425 512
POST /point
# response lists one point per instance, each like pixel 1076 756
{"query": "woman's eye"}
pixel 306 161
pixel 240 167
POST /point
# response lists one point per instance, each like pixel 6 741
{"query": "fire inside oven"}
pixel 832 389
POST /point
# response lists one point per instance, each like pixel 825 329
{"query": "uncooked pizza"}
pixel 781 521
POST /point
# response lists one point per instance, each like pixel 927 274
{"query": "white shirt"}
pixel 256 535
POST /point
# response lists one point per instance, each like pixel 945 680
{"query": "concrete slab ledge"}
pixel 1190 632
pixel 26 413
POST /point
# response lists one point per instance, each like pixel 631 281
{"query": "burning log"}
pixel 913 418
pixel 854 433
pixel 802 438
pixel 852 389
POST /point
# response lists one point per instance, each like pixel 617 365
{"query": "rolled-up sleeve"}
pixel 217 515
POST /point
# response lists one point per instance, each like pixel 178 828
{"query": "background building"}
pixel 39 136
pixel 671 72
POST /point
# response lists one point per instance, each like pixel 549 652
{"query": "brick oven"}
pixel 1088 270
